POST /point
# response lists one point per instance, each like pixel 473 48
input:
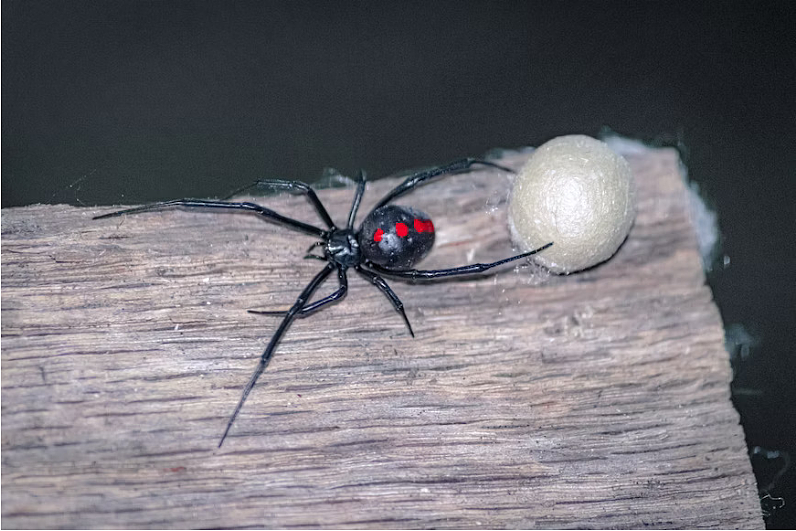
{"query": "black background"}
pixel 127 102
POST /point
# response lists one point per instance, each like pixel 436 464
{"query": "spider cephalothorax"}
pixel 390 241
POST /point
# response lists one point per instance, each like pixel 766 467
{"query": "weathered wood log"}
pixel 599 399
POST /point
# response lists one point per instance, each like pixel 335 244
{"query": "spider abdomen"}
pixel 396 237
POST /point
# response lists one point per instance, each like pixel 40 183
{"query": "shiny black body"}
pixel 382 243
pixel 390 241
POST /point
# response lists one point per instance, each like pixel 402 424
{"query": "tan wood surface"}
pixel 595 400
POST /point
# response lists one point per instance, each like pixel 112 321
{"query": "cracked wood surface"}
pixel 599 399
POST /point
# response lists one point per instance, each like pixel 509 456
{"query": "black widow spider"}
pixel 390 241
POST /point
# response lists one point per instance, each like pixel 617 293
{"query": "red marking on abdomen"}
pixel 377 235
pixel 401 229
pixel 424 225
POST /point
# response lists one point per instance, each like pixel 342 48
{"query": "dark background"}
pixel 127 102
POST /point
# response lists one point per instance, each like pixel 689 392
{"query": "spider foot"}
pixel 267 312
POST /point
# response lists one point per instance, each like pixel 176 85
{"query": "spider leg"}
pixel 338 294
pixel 309 254
pixel 357 199
pixel 203 203
pixel 380 283
pixel 313 246
pixel 269 350
pixel 438 273
pixel 293 187
pixel 419 178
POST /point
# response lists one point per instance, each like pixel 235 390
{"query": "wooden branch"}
pixel 599 399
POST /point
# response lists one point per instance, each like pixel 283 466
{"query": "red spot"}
pixel 424 225
pixel 401 229
pixel 177 469
pixel 377 236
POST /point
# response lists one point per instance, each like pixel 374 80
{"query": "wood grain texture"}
pixel 594 400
